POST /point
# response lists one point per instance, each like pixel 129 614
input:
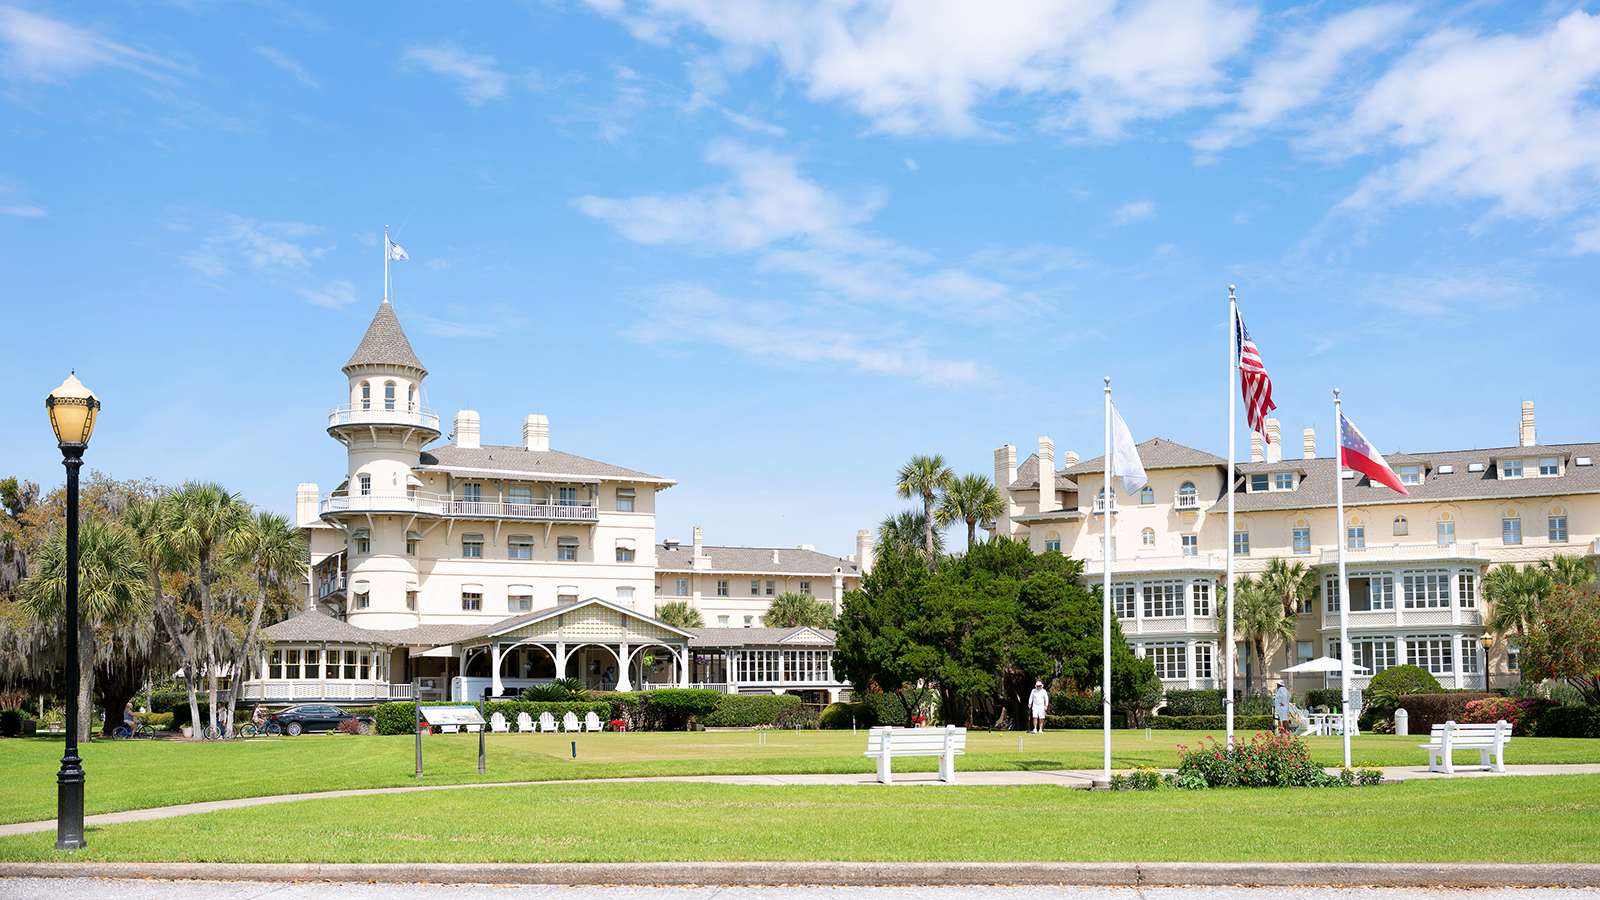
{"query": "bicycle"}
pixel 265 729
pixel 141 730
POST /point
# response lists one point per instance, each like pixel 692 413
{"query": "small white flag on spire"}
pixel 395 252
pixel 1125 462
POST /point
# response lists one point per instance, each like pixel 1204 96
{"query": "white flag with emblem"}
pixel 395 252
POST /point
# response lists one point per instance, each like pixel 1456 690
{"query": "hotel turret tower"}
pixel 384 427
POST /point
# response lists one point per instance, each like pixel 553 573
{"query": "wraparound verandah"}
pixel 506 667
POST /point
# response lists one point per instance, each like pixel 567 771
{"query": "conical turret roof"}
pixel 385 343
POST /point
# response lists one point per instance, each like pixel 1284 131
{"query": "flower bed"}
pixel 1268 760
pixel 1523 714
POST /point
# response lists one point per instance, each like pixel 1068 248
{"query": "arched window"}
pixel 1400 525
pixel 1147 537
pixel 411 397
pixel 366 395
pixel 1186 488
pixel 388 395
pixel 1147 496
pixel 1052 541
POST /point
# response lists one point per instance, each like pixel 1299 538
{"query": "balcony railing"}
pixel 446 505
pixel 1401 553
pixel 1100 506
pixel 379 412
pixel 299 690
pixel 1454 615
pixel 1186 501
pixel 330 586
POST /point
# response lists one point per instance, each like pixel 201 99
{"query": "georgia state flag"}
pixel 1357 454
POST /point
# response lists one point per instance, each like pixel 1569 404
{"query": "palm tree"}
pixel 792 610
pixel 198 523
pixel 143 521
pixel 972 499
pixel 679 614
pixel 905 531
pixel 1290 584
pixel 1567 571
pixel 1516 596
pixel 1259 619
pixel 112 586
pixel 275 553
pixel 925 477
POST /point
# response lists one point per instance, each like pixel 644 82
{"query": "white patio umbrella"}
pixel 1326 664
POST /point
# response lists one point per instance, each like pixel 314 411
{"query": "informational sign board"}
pixel 459 716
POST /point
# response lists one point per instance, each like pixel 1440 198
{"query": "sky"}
pixel 773 249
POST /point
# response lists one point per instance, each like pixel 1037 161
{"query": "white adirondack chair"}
pixel 591 722
pixel 547 722
pixel 569 722
pixel 524 723
pixel 497 724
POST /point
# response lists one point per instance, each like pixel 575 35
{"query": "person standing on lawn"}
pixel 1038 702
pixel 1280 707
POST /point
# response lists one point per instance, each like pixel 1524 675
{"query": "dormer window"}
pixel 1410 474
pixel 1283 481
pixel 1259 482
pixel 1549 465
pixel 1510 468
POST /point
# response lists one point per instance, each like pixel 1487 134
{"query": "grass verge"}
pixel 1492 820
pixel 142 774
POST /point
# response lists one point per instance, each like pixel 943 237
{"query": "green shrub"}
pixel 1211 723
pixel 561 690
pixel 748 710
pixel 1067 700
pixel 11 722
pixel 796 717
pixel 396 718
pixel 1332 698
pixel 180 713
pixel 170 701
pixel 1569 721
pixel 1252 705
pixel 886 707
pixel 1523 714
pixel 674 707
pixel 1387 687
pixel 1203 702
pixel 1423 711
pixel 1268 760
pixel 1058 723
pixel 159 721
pixel 846 715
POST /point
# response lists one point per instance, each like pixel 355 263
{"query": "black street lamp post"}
pixel 1486 641
pixel 73 409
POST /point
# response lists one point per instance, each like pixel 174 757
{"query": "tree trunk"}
pixel 209 633
pixel 927 529
pixel 115 685
pixel 247 653
pixel 972 533
pixel 186 649
pixel 85 723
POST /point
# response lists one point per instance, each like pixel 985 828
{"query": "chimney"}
pixel 1047 474
pixel 864 550
pixel 1068 459
pixel 1005 467
pixel 810 547
pixel 1308 440
pixel 536 433
pixel 699 547
pixel 466 432
pixel 305 505
pixel 1255 447
pixel 774 556
pixel 1528 439
pixel 1275 448
pixel 670 544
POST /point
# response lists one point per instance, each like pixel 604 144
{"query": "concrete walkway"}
pixel 1080 779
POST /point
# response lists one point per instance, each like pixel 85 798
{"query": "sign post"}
pixel 480 737
pixel 416 705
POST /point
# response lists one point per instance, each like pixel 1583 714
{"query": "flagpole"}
pixel 1105 594
pixel 1227 584
pixel 386 264
pixel 1344 588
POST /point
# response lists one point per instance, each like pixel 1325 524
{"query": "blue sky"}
pixel 773 249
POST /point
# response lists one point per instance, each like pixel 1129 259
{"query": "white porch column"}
pixel 1190 660
pixel 623 684
pixel 461 673
pixel 687 659
pixel 494 671
pixel 561 659
pixel 730 660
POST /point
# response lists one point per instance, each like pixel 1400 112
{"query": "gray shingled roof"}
pixel 1317 488
pixel 314 625
pixel 532 465
pixel 1156 453
pixel 1028 477
pixel 753 561
pixel 385 343
pixel 749 637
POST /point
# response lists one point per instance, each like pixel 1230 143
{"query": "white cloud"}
pixel 912 164
pixel 915 66
pixel 479 78
pixel 1134 212
pixel 436 264
pixel 336 295
pixel 39 48
pixel 270 244
pixel 777 332
pixel 288 65
pixel 1301 70
pixel 1506 117
pixel 28 211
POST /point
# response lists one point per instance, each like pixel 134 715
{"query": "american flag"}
pixel 1254 381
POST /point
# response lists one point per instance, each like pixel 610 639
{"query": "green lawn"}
pixel 141 774
pixel 1501 819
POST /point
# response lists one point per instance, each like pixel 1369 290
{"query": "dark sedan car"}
pixel 316 717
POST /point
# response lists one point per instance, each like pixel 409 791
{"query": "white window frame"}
pixel 1432 653
pixel 1426 588
pixel 1467 590
pixel 1302 541
pixel 1552 463
pixel 1241 542
pixel 1510 468
pixel 722 587
pixel 1511 530
pixel 471 601
pixel 1355 537
pixel 680 587
pixel 1163 599
pixel 1200 597
pixel 625 499
pixel 1409 474
pixel 1283 481
pixel 1190 544
pixel 1147 537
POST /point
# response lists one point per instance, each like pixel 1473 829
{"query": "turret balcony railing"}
pixel 382 412
pixel 447 505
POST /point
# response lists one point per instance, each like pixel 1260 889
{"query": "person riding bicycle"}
pixel 257 717
pixel 130 719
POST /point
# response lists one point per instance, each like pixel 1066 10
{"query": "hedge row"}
pixel 1202 702
pixel 1118 720
pixel 1211 723
pixel 1569 721
pixel 1423 711
pixel 750 710
pixel 11 722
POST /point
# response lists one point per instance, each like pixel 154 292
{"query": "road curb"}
pixel 1131 874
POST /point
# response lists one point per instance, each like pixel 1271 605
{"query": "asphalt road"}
pixel 98 889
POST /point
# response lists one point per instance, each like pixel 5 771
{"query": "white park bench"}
pixel 888 742
pixel 1489 740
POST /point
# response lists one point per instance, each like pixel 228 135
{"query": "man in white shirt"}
pixel 1038 702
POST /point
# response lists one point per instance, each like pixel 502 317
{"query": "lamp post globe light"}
pixel 1486 641
pixel 73 409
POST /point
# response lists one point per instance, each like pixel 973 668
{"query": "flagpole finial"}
pixel 1336 392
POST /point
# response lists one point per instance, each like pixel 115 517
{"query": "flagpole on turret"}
pixel 386 255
